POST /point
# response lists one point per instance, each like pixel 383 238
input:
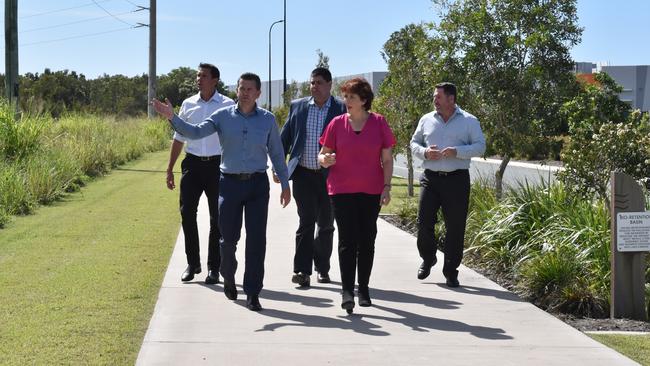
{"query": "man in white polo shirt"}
pixel 199 173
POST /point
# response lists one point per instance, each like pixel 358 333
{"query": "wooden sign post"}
pixel 630 240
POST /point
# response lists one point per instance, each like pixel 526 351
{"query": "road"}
pixel 516 173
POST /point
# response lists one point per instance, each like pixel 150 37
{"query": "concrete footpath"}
pixel 411 322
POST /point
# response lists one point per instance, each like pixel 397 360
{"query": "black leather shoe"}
pixel 189 273
pixel 213 277
pixel 364 297
pixel 425 269
pixel 253 303
pixel 452 281
pixel 230 290
pixel 301 279
pixel 323 278
pixel 347 301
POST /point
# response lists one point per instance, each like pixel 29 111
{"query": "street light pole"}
pixel 271 28
pixel 285 46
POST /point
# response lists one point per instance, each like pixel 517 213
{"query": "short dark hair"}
pixel 251 77
pixel 360 87
pixel 322 72
pixel 448 88
pixel 213 69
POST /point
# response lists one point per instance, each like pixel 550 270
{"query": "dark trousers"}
pixel 249 198
pixel 451 193
pixel 198 177
pixel 356 217
pixel 314 208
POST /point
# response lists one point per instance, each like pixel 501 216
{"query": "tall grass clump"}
pixel 41 158
pixel 18 137
pixel 552 245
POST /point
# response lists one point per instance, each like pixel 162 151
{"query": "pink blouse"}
pixel 358 166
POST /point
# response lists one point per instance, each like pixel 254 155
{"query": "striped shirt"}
pixel 315 120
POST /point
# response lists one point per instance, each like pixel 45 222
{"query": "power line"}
pixel 79 36
pixel 136 5
pixel 71 23
pixel 63 9
pixel 109 13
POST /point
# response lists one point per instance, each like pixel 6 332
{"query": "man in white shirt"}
pixel 200 173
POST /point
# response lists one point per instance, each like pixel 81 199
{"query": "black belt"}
pixel 242 176
pixel 445 174
pixel 202 158
pixel 310 169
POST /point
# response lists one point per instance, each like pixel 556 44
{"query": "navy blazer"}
pixel 294 131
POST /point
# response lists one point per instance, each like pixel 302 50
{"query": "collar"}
pixel 326 105
pixel 216 97
pixel 456 111
pixel 253 113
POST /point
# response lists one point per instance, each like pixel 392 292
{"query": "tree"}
pixel 177 85
pixel 54 92
pixel 605 136
pixel 323 60
pixel 406 93
pixel 516 61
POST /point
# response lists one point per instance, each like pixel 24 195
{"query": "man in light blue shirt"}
pixel 248 135
pixel 445 139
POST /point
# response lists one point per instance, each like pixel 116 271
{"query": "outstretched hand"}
pixel 164 109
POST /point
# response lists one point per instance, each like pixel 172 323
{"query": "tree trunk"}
pixel 409 168
pixel 499 177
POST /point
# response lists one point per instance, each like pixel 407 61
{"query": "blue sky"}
pixel 234 34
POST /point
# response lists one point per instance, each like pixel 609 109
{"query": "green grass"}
pixel 399 194
pixel 80 277
pixel 636 347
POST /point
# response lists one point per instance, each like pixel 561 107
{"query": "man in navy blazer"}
pixel 300 136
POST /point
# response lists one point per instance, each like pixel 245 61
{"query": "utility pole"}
pixel 11 52
pixel 151 91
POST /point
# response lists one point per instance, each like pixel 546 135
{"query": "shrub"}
pixel 41 159
pixel 605 136
pixel 552 244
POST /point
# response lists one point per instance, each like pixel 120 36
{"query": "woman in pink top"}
pixel 357 149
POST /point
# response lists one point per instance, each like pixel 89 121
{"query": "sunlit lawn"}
pixel 79 279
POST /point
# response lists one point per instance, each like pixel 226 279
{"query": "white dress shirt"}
pixel 462 131
pixel 194 110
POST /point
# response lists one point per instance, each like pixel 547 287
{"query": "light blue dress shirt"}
pixel 246 140
pixel 461 131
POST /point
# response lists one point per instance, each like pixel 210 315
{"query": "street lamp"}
pixel 271 28
pixel 284 88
